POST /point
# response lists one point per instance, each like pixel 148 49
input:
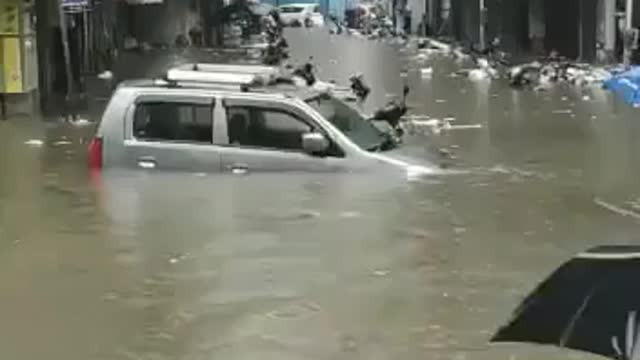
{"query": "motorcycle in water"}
pixel 393 112
pixel 305 72
pixel 277 46
pixel 359 87
pixel 276 52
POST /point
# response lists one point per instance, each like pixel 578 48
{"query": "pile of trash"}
pixel 491 63
pixel 425 125
pixel 485 65
pixel 541 75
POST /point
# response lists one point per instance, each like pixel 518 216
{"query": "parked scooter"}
pixel 275 52
pixel 277 46
pixel 305 72
pixel 359 87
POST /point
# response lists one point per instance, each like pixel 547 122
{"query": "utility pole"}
pixel 65 48
pixel 483 20
pixel 43 40
pixel 212 26
pixel 628 34
pixel 205 19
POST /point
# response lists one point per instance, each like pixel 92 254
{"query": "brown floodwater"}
pixel 138 265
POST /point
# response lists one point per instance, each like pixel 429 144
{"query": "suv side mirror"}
pixel 314 143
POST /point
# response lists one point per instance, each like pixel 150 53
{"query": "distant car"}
pixel 307 15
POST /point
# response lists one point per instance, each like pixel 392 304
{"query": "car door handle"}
pixel 238 168
pixel 147 162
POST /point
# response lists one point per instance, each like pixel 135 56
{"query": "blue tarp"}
pixel 626 85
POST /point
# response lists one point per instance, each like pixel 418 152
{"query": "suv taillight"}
pixel 95 153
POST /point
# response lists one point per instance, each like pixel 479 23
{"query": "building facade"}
pixel 588 30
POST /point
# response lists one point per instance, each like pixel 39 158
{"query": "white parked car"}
pixel 301 15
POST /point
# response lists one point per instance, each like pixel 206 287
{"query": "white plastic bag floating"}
pixel 426 72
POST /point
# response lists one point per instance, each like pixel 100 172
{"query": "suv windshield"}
pixel 351 123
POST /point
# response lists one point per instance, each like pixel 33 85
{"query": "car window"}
pixel 167 121
pixel 349 121
pixel 316 9
pixel 265 128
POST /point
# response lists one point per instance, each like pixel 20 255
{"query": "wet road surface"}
pixel 141 266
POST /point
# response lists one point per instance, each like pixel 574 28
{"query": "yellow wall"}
pixel 12 65
pixel 11 47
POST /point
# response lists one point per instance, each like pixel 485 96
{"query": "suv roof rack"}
pixel 224 74
pixel 257 86
pixel 230 68
pixel 226 78
pixel 252 77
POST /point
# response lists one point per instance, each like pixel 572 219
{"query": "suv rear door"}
pixel 265 135
pixel 172 132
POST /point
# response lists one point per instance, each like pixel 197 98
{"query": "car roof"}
pixel 299 5
pixel 281 90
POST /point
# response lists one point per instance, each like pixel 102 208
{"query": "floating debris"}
pixel 34 142
pixel 106 75
pixel 562 111
pixel 177 258
pixel 444 152
pixel 426 72
pixel 80 122
pixel 616 209
pixel 541 75
pixel 381 273
pixel 465 127
pixel 350 214
pixel 421 57
pixel 459 230
pixel 478 75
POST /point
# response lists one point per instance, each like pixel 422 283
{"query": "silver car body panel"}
pixel 122 150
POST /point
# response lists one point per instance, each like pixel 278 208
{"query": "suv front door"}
pixel 267 136
pixel 172 133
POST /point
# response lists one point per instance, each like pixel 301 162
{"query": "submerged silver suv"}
pixel 162 125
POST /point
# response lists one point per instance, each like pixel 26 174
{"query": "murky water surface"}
pixel 179 266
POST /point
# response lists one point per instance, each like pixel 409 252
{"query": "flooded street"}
pixel 181 266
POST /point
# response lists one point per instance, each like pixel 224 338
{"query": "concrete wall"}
pixel 418 9
pixel 575 36
pixel 509 20
pixel 607 28
pixel 466 20
pixel 587 34
pixel 537 27
pixel 561 29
